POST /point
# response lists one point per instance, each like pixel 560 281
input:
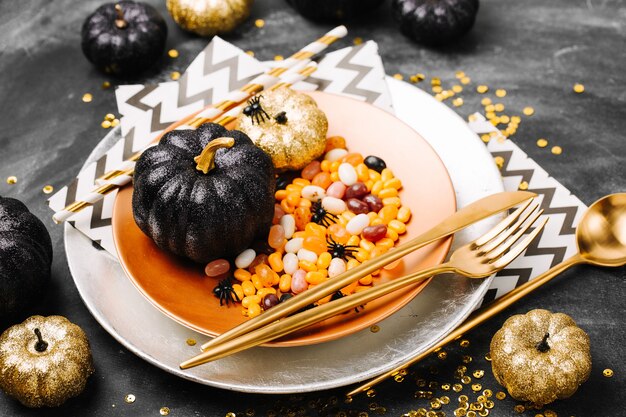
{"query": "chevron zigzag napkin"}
pixel 356 72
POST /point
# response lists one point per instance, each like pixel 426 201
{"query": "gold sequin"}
pixel 445 399
pixel 457 88
pixel 164 411
pixel 398 378
pixel 130 398
pixel 483 413
pixel 371 393
pixel 87 97
pixel 542 143
pixel 115 122
pixel 467 359
pixel 463 398
pixel 500 92
pixel 519 408
pixel 191 342
pixel 485 138
pixel 489 404
pixel 579 88
pixel 490 108
pixel 457 102
pixel 528 111
pixel 465 80
pixel 500 163
pixel 523 185
pixel 472 118
pixel 375 328
pixel 457 387
pixel 500 395
pixel 11 180
pixel 105 85
pixel 488 355
pixel 435 404
pixel 476 387
pixel 486 101
pixel 437 89
pixel 471 414
pixel 435 81
pixel 550 413
pixel 459 74
pixel 259 23
pixel 607 373
pixel 460 412
pixel 231 414
pixel 505 119
pixel 557 150
pixel 398 76
pixel 442 355
pixel 105 124
pixel 466 379
pixel 498 107
pixel 278 57
pixel 487 393
pixel 172 53
pixel 482 89
pixel 357 41
pixel 250 53
pixel 445 387
pixel 109 116
pixel 175 75
pixel 516 119
pixel 47 189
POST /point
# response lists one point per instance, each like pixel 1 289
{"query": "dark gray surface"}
pixel 534 49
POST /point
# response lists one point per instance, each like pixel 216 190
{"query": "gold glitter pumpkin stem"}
pixel 206 160
pixel 41 345
pixel 120 23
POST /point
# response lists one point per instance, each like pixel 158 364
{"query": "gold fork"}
pixel 477 259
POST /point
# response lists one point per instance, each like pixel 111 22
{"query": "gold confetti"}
pixel 472 118
pixel 519 408
pixel 478 373
pixel 109 117
pixel 459 74
pixel 523 186
pixel 542 143
pixel 11 180
pixel 375 328
pixel 357 41
pixel 115 122
pixel 500 92
pixel 437 89
pixel 457 102
pixel 482 89
pixel 485 138
pixel 466 359
pixel 172 53
pixel 398 76
pixel 130 398
pixel 557 150
pixel 106 85
pixel 500 395
pixel 499 107
pixel 259 23
pixel 471 414
pixel 191 342
pixel 465 80
pixel 164 411
pixel 550 413
pixel 579 88
pixel 528 111
pixel 505 119
pixel 445 399
pixel 87 97
pixel 231 414
pixel 278 57
pixel 445 387
pixel 500 163
pixel 516 119
pixel 105 124
pixel 457 387
pixel 608 373
pixel 435 81
pixel 460 412
pixel 466 379
pixel 251 53
pixel 486 101
pixel 457 88
pixel 487 393
pixel 47 189
pixel 442 355
pixel 175 75
pixel 371 393
pixel 398 378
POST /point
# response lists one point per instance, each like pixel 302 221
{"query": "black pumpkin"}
pixel 207 211
pixel 333 10
pixel 435 22
pixel 25 257
pixel 124 38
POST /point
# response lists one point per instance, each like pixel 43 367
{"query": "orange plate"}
pixel 182 291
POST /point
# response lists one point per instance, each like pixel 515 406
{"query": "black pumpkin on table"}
pixel 204 194
pixel 25 257
pixel 435 22
pixel 124 38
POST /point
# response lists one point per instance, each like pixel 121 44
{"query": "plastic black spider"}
pixel 255 111
pixel 321 216
pixel 337 250
pixel 225 292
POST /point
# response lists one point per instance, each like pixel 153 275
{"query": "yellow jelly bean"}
pixel 362 172
pixel 366 280
pixel 323 260
pixel 254 310
pixel 377 187
pixel 386 174
pixel 367 245
pixel 251 299
pixel 352 263
pixel 264 291
pixel 388 213
pixel 257 282
pixel 392 234
pixel 285 283
pixel 325 165
pixel 353 241
pixel 242 275
pixel 392 201
pixel 397 226
pixel 393 183
pixel 314 277
pixel 301 182
pixel 276 261
pixel 362 255
pixel 374 175
pixel 404 214
pixel 280 194
pixel 308 266
pixel 248 288
pixel 385 243
pixel 384 193
pixel 239 291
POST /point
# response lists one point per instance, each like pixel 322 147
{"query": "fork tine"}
pixel 499 251
pixel 517 250
pixel 497 241
pixel 500 227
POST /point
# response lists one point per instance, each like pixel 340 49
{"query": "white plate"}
pixel 140 327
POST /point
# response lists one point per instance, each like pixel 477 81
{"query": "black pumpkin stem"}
pixel 41 345
pixel 281 118
pixel 120 23
pixel 206 160
pixel 543 346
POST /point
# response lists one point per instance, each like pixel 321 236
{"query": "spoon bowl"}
pixel 601 233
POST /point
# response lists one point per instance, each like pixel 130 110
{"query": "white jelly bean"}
pixel 347 174
pixel 356 224
pixel 290 263
pixel 288 222
pixel 307 255
pixel 334 205
pixel 245 258
pixel 337 266
pixel 294 245
pixel 335 154
pixel 337 189
pixel 314 193
pixel 298 281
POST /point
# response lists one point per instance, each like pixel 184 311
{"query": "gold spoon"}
pixel 601 241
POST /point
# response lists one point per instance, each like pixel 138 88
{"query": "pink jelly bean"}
pixel 337 189
pixel 298 281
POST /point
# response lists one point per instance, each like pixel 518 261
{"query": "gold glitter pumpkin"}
pixel 209 17
pixel 540 357
pixel 44 361
pixel 287 125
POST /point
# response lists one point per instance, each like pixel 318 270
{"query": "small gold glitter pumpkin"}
pixel 540 357
pixel 209 17
pixel 44 361
pixel 287 125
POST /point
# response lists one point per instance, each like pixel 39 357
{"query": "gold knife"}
pixel 464 217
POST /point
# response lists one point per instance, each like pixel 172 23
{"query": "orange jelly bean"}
pixel 335 142
pixel 302 216
pixel 322 179
pixel 276 237
pixel 265 274
pixel 315 244
pixel 353 159
pixel 338 233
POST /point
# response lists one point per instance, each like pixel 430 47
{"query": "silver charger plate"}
pixel 119 307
